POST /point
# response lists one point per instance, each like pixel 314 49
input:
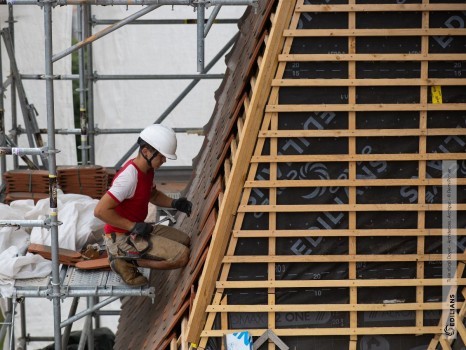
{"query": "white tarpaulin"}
pixel 14 266
pixel 12 236
pixel 13 244
pixel 29 48
pixel 76 212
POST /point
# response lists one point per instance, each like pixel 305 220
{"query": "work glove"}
pixel 141 229
pixel 182 204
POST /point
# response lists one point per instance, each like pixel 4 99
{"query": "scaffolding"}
pixel 68 282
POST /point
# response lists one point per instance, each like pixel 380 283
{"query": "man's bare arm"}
pixel 105 211
pixel 160 199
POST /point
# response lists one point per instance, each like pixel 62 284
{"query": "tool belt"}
pixel 164 243
pixel 141 244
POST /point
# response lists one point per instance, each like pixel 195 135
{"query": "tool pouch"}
pixel 141 244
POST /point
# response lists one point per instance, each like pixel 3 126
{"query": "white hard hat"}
pixel 162 138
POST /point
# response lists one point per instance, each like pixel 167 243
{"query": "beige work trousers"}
pixel 164 244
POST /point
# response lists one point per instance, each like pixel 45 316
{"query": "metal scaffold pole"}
pixel 200 37
pixel 90 84
pixel 95 76
pixel 2 128
pixel 82 88
pixel 212 18
pixel 14 121
pixel 101 21
pixel 144 2
pixel 56 289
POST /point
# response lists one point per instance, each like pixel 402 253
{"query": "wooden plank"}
pixel 371 57
pixel 370 82
pixel 374 32
pixel 104 264
pixel 341 283
pixel 240 125
pixel 345 207
pixel 352 174
pixel 246 102
pixel 248 259
pixel 231 122
pixel 210 320
pixel 348 182
pixel 379 7
pixel 210 201
pixel 421 216
pixel 342 233
pixel 173 343
pixel 233 148
pixel 462 311
pixel 252 82
pixel 367 107
pixel 364 132
pixel 168 340
pixel 206 234
pixel 224 318
pixel 329 307
pixel 272 242
pixel 358 157
pixel 295 332
pixel 461 330
pixel 222 156
pixel 227 169
pixel 184 327
pixel 232 194
pixel 172 325
pixel 65 255
pixel 445 344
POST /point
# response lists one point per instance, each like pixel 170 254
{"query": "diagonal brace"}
pixel 28 110
pixel 104 32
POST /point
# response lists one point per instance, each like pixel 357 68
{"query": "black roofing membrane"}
pixel 380 244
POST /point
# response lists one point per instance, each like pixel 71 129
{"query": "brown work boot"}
pixel 128 272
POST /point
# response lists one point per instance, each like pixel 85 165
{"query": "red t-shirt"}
pixel 131 188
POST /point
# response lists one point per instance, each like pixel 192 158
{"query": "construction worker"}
pixel 125 206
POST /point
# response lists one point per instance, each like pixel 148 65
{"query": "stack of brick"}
pixel 26 184
pixel 110 175
pixel 90 180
